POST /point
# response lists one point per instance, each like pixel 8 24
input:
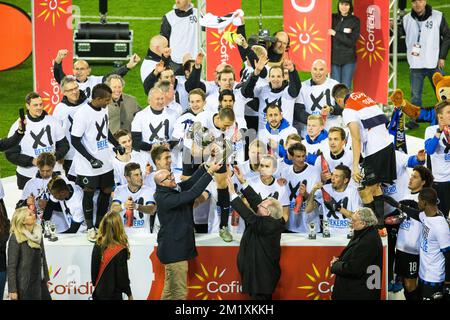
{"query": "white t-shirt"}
pixel 434 239
pixel 314 97
pixel 92 126
pixel 176 108
pixel 89 84
pixel 440 160
pixel 399 189
pixel 119 166
pixel 276 135
pixel 37 187
pixel 144 196
pixel 349 199
pixel 153 125
pixel 64 114
pixel 299 222
pixel 408 237
pixel 40 136
pixel 72 209
pixel 282 99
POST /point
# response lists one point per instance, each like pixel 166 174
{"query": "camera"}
pixel 263 38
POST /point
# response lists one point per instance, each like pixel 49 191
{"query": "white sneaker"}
pixel 92 235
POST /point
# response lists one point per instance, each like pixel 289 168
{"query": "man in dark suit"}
pixel 176 241
pixel 358 269
pixel 259 252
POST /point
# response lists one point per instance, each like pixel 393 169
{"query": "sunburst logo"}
pixel 52 8
pixel 305 38
pixel 370 49
pixel 211 287
pixel 320 286
pixel 222 39
pixel 49 106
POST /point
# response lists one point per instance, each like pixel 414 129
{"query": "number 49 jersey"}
pixel 144 196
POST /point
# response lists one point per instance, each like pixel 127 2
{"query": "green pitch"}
pixel 16 83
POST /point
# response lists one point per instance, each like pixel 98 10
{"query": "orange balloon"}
pixel 15 36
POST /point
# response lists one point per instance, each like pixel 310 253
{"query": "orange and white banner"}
pixel 52 30
pixel 373 49
pixel 307 23
pixel 219 47
pixel 305 275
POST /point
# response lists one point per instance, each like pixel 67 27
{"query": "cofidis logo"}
pixel 68 284
pixel 214 285
pixel 318 285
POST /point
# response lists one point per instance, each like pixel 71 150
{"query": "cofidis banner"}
pixel 52 31
pixel 307 23
pixel 372 68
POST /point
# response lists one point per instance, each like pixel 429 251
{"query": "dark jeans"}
pixel 416 77
pixel 343 73
pixel 2 283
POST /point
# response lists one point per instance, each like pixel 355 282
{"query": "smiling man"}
pixel 43 134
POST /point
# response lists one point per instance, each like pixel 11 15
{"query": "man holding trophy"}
pixel 213 134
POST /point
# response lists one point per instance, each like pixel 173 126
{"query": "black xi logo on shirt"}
pixel 38 137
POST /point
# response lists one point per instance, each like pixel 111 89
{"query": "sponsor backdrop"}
pixel 219 47
pixel 213 275
pixel 373 49
pixel 51 20
pixel 307 23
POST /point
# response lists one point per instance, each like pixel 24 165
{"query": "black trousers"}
pixel 443 192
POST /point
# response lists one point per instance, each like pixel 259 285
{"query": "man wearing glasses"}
pixel 73 99
pixel 176 240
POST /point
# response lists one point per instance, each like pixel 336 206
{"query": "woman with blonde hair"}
pixel 27 265
pixel 109 269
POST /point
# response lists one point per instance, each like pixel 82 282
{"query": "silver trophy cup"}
pixel 53 236
pixel 47 229
pixel 312 231
pixel 326 229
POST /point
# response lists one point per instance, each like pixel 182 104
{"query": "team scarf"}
pixel 109 253
pixel 221 22
pixel 396 128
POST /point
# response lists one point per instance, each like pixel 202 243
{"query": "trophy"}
pixel 52 228
pixel 47 229
pixel 312 231
pixel 350 231
pixel 200 135
pixel 223 151
pixel 326 229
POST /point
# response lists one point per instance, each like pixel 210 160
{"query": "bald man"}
pixel 82 71
pixel 158 49
pixel 176 240
pixel 315 98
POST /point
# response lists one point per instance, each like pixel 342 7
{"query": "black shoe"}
pixel 412 124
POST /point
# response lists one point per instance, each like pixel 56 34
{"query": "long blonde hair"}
pixel 17 226
pixel 112 232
